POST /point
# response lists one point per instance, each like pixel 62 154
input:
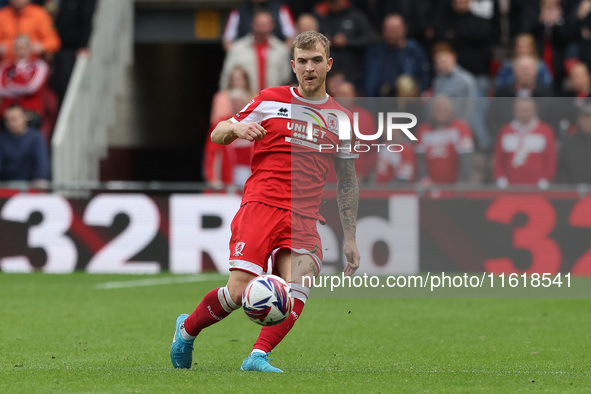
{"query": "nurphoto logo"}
pixel 338 120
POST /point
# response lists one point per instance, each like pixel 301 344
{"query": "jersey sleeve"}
pixel 251 112
pixel 345 149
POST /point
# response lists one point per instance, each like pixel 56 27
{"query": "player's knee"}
pixel 237 283
pixel 236 293
pixel 304 265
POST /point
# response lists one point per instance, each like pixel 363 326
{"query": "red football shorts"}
pixel 259 231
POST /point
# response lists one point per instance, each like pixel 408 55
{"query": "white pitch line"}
pixel 158 281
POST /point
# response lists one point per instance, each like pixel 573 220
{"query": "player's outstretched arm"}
pixel 226 132
pixel 348 202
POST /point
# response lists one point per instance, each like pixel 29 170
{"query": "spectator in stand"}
pixel 333 80
pixel 407 87
pixel 525 85
pixel 23 153
pixel 22 81
pixel 221 105
pixel 524 45
pixel 574 165
pixel 577 95
pixel 240 20
pixel 264 57
pixel 400 167
pixel 578 25
pixel 418 16
pixel 453 81
pixel 74 26
pixel 525 151
pixel 366 163
pixel 551 34
pixel 21 17
pixel 408 95
pixel 349 32
pixel 306 22
pixel 579 82
pixel 491 11
pixel 299 7
pixel 472 39
pixel 229 164
pixel 43 3
pixel 445 146
pixel 395 55
pixel 521 14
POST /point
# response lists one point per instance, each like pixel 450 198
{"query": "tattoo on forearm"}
pixel 347 194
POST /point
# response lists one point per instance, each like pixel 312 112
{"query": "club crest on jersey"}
pixel 238 249
pixel 333 124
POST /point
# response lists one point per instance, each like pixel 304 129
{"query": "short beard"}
pixel 307 88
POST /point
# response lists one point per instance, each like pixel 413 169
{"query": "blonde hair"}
pixel 407 86
pixel 308 40
pixel 531 41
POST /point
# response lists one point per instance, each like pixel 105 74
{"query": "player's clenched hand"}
pixel 249 131
pixel 352 255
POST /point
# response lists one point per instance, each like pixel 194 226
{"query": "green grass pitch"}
pixel 67 333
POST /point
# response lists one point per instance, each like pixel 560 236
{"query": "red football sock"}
pixel 271 336
pixel 216 305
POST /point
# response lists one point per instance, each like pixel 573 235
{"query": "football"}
pixel 267 300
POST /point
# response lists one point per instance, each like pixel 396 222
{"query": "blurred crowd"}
pixel 39 42
pixel 500 87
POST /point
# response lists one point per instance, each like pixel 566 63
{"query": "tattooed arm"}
pixel 348 202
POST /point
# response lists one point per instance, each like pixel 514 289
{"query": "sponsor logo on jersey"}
pixel 283 112
pixel 317 117
pixel 238 249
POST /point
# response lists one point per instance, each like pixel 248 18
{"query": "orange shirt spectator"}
pixel 21 17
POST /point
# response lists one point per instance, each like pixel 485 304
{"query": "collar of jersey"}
pixel 305 100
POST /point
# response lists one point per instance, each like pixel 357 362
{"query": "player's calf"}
pixel 215 306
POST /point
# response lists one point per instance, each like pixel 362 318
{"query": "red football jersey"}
pixel 525 154
pixel 441 146
pixel 393 166
pixel 21 82
pixel 288 169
